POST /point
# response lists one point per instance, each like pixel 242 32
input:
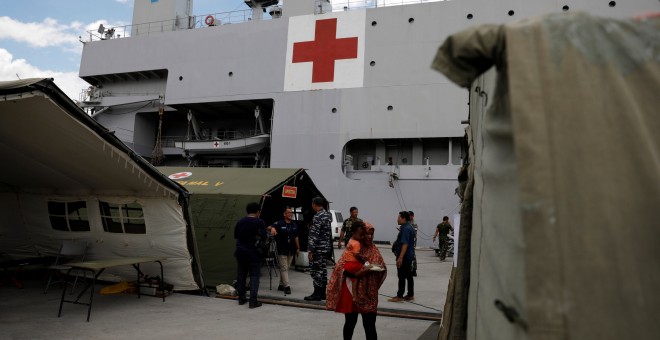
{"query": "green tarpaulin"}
pixel 218 197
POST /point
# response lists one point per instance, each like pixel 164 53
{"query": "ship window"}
pixel 456 151
pixel 68 216
pixel 511 13
pixel 565 8
pixel 122 218
pixel 470 16
pixel 612 3
pixel 436 150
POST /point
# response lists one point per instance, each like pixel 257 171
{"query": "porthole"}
pixel 470 16
pixel 511 13
pixel 390 108
pixel 411 20
pixel 373 23
pixel 332 156
pixel 334 110
pixel 565 8
pixel 612 3
pixel 180 78
pixel 231 74
pixel 372 63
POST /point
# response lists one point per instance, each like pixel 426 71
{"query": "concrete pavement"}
pixel 29 314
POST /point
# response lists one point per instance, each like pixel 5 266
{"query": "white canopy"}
pixel 61 166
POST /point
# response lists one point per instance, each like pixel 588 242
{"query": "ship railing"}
pixel 169 141
pixel 323 6
pixel 181 23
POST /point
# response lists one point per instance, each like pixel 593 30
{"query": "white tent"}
pixel 64 176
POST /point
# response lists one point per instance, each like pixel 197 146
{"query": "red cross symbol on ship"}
pixel 324 50
pixel 216 144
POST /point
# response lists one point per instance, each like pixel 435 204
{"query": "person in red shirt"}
pixel 368 278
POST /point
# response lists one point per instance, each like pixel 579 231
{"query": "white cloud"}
pixel 69 82
pixel 122 1
pixel 50 33
pixel 47 33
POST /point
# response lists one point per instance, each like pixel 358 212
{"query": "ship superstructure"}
pixel 343 89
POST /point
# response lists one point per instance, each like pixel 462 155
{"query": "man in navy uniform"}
pixel 319 245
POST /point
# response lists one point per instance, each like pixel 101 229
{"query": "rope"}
pixel 157 154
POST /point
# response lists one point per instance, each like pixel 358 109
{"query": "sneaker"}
pixel 280 288
pixel 287 290
pixel 255 304
pixel 409 298
pixel 396 299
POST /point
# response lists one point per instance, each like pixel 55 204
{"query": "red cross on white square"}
pixel 325 51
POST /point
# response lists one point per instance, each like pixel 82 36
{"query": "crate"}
pixel 153 290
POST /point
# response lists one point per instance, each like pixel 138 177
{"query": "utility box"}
pixel 154 16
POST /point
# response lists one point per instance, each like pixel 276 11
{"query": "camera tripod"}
pixel 271 259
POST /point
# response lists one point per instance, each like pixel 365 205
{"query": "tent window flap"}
pixel 122 218
pixel 68 216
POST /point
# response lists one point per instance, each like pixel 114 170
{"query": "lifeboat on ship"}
pixel 249 144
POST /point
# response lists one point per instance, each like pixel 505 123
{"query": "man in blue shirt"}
pixel 247 232
pixel 288 246
pixel 405 253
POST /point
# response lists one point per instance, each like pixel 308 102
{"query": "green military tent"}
pixel 218 197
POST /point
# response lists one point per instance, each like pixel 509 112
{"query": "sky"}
pixel 39 38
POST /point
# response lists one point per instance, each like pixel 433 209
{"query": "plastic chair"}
pixel 70 251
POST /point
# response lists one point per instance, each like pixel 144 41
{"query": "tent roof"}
pixel 51 146
pixel 241 181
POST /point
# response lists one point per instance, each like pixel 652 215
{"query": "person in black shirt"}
pixel 247 233
pixel 286 238
pixel 441 231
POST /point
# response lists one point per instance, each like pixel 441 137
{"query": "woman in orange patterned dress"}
pixel 363 298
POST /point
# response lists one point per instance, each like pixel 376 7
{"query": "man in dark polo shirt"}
pixel 247 232
pixel 286 237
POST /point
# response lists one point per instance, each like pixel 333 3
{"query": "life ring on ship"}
pixel 209 20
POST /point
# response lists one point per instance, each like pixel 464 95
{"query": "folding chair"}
pixel 70 251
